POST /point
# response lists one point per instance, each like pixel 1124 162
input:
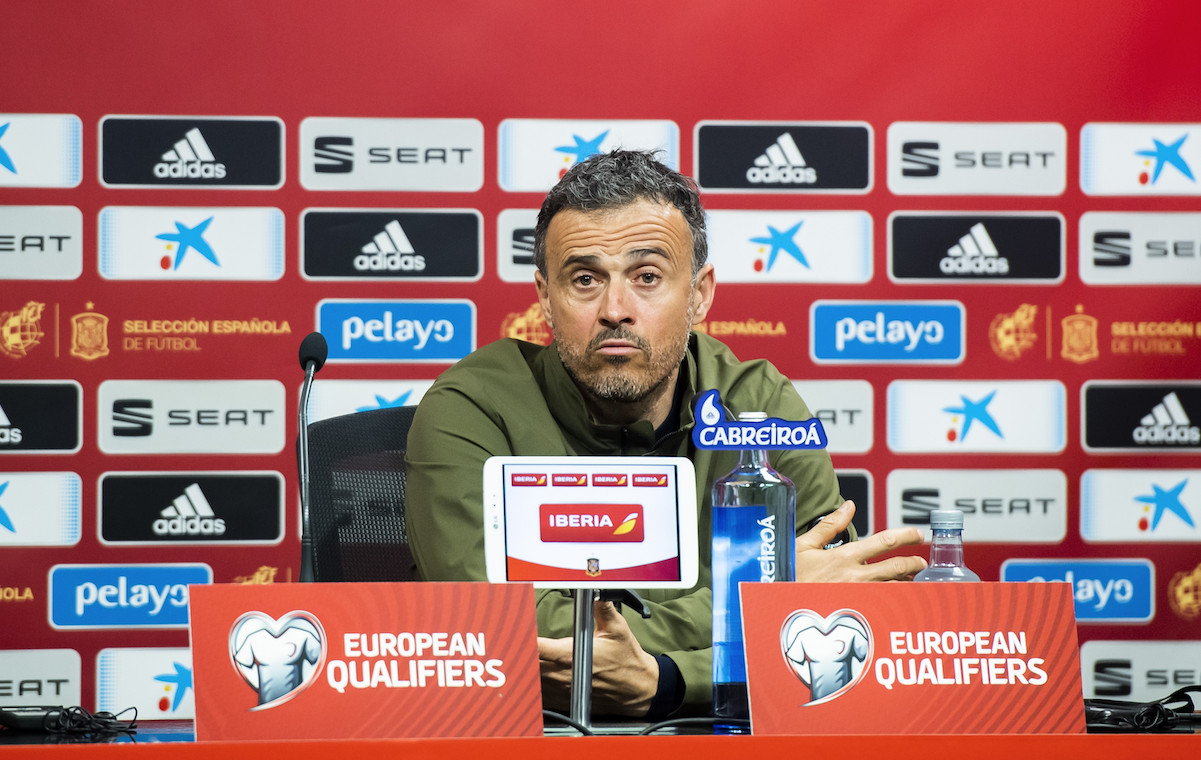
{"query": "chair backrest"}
pixel 357 496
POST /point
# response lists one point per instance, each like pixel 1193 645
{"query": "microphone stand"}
pixel 581 645
pixel 306 535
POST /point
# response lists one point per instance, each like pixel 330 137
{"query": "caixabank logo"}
pixel 426 244
pixel 1140 159
pixel 791 246
pixel 1140 506
pixel 975 248
pixel 886 332
pixel 123 596
pixel 1104 591
pixel 535 153
pixel 1140 248
pixel 1128 417
pixel 191 508
pixel 832 157
pixel 397 331
pixel 947 158
pixel 41 416
pixel 40 150
pixel 977 416
pixel 192 151
pixel 156 681
pixel 40 508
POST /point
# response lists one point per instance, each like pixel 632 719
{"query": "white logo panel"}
pixel 1140 159
pixel 977 416
pixel 332 398
pixel 157 243
pixel 439 155
pixel 1007 506
pixel 947 158
pixel 1140 248
pixel 192 416
pixel 40 150
pixel 1138 671
pixel 40 508
pixel 41 243
pixel 534 153
pixel 1140 506
pixel 846 411
pixel 158 682
pixel 790 246
pixel 40 677
pixel 515 244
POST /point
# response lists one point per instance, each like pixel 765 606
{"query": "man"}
pixel 622 277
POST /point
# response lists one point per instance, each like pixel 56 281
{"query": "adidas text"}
pixel 801 175
pixel 192 169
pixel 390 262
pixel 189 526
pixel 1181 434
pixel 10 435
pixel 974 265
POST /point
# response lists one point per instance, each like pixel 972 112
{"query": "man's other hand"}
pixel 624 676
pixel 849 562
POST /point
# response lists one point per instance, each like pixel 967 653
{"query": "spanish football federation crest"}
pixel 89 335
pixel 1079 337
pixel 21 330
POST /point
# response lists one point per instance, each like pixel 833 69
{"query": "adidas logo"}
pixel 190 157
pixel 189 515
pixel 1167 423
pixel 975 253
pixel 8 433
pixel 389 251
pixel 781 163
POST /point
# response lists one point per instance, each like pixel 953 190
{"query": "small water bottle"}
pixel 754 539
pixel 946 549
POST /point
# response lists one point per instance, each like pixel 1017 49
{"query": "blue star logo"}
pixel 5 520
pixel 1167 154
pixel 1167 500
pixel 584 148
pixel 975 411
pixel 382 402
pixel 190 238
pixel 6 160
pixel 182 679
pixel 782 241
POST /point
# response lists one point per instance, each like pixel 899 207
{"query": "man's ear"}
pixel 543 298
pixel 702 293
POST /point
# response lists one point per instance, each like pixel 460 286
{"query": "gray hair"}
pixel 614 180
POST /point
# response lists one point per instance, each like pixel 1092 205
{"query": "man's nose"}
pixel 615 305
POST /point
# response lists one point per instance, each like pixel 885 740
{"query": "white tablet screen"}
pixel 585 522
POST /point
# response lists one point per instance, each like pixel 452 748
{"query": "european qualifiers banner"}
pixel 915 658
pixel 365 660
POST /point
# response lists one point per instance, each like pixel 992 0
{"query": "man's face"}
pixel 620 296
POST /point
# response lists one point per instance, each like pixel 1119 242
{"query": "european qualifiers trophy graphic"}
pixel 830 654
pixel 277 658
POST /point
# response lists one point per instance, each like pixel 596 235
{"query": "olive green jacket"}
pixel 515 398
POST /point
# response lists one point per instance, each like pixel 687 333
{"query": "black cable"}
pixel 561 718
pixel 77 721
pixel 1175 713
pixel 711 722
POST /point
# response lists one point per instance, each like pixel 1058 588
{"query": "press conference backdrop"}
pixel 969 232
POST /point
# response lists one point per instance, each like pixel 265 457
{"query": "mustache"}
pixel 618 333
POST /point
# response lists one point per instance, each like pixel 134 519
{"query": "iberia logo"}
pixel 569 479
pixel 608 479
pixel 598 523
pixel 647 480
pixel 528 479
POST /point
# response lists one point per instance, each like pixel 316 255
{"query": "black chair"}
pixel 357 496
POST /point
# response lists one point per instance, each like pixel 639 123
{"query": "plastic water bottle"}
pixel 946 549
pixel 754 539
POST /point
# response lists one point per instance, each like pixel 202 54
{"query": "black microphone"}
pixel 313 351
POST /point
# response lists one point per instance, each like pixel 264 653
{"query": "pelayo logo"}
pixel 397 331
pixel 713 432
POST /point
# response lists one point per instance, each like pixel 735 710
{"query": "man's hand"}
pixel 624 677
pixel 848 562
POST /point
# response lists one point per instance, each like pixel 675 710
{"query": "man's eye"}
pixel 583 279
pixel 648 278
